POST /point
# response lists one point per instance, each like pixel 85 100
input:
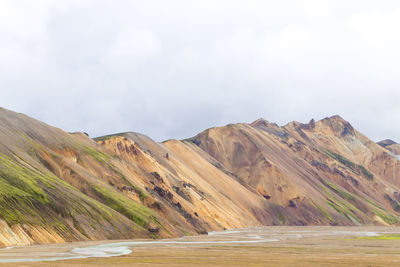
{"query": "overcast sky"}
pixel 170 69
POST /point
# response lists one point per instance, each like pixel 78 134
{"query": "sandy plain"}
pixel 263 246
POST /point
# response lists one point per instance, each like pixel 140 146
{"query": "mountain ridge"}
pixel 58 187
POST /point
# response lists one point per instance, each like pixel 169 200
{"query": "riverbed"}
pixel 248 239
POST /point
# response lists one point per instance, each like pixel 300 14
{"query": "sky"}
pixel 170 69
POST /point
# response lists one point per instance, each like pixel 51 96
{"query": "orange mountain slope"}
pixel 57 186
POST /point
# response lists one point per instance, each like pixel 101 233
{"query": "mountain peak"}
pixel 334 119
pixel 261 122
pixel 339 125
pixel 387 142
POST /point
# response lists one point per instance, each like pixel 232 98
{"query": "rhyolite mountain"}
pixel 391 145
pixel 57 186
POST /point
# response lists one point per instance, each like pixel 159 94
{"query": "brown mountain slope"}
pixel 325 163
pixel 57 187
pixel 173 183
pixel 391 146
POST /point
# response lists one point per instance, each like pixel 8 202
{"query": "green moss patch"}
pixel 381 237
pixel 19 179
pixel 324 212
pixel 389 219
pixel 281 218
pixel 99 156
pixel 355 168
pixel 340 192
pixel 126 206
pixel 140 192
pixel 345 208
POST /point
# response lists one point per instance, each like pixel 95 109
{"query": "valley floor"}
pixel 266 246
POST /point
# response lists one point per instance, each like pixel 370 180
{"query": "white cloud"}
pixel 132 45
pixel 172 68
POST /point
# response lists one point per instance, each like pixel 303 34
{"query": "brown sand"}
pixel 323 246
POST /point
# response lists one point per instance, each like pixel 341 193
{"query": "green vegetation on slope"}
pixel 99 156
pixel 28 195
pixel 355 168
pixel 340 192
pixel 131 209
pixel 324 212
pixel 389 219
pixel 345 208
pixel 22 197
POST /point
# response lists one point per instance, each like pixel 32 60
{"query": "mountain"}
pixel 391 145
pixel 57 186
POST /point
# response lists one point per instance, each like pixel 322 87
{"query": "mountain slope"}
pixel 64 184
pixel 349 178
pixel 391 146
pixel 57 186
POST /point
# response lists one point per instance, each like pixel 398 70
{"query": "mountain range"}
pixel 58 187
